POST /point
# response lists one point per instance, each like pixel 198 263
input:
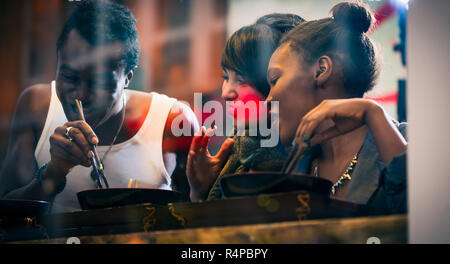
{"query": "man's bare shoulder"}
pixel 139 100
pixel 33 103
pixel 179 110
pixel 138 103
pixel 182 117
pixel 35 97
pixel 138 94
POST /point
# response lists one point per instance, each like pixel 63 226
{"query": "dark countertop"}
pixel 389 229
pixel 296 217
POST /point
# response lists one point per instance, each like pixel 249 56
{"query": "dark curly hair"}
pixel 248 50
pixel 103 22
pixel 343 38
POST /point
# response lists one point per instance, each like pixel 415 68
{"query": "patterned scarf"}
pixel 247 155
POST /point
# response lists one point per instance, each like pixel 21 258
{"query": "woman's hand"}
pixel 203 169
pixel 348 115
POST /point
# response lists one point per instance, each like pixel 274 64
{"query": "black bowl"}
pixel 23 208
pixel 113 197
pixel 254 183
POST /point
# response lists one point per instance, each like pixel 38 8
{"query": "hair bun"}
pixel 355 16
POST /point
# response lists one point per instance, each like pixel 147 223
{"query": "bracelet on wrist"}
pixel 38 176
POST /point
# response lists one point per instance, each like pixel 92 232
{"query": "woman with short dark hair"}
pixel 244 62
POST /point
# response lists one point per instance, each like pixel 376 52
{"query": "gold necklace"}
pixel 102 167
pixel 346 176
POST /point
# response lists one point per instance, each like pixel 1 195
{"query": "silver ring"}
pixel 67 133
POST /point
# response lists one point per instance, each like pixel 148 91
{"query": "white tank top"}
pixel 139 158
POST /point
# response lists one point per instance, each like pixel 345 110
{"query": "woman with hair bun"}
pixel 319 74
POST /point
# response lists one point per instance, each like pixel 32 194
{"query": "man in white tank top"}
pixel 49 153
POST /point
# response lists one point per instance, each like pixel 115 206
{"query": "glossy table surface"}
pixel 388 229
pixel 296 217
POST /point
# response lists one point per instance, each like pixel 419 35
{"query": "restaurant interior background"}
pixel 181 43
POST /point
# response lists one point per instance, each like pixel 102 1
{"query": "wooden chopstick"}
pixel 96 162
pixel 288 161
pixel 294 156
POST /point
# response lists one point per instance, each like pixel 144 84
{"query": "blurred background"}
pixel 181 44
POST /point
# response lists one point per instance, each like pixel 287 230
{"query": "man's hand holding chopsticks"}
pixel 70 146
